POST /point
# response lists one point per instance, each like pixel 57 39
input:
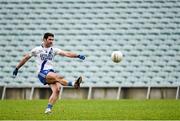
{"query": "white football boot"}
pixel 47 111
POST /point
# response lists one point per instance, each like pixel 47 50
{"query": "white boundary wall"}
pixel 116 93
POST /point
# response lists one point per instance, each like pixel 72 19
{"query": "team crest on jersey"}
pixel 47 56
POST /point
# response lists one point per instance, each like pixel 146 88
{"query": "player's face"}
pixel 49 41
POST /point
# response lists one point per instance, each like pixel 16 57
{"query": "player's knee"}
pixel 56 91
pixel 58 77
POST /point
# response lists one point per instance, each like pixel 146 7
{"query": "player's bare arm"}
pixel 71 54
pixel 21 63
pixel 68 54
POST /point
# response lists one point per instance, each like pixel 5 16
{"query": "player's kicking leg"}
pixel 53 77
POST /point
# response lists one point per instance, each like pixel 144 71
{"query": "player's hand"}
pixel 15 72
pixel 82 57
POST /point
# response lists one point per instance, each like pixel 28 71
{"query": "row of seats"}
pixel 143 82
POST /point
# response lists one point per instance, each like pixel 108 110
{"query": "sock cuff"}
pixel 50 106
pixel 70 83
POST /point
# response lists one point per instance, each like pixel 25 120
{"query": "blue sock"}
pixel 50 106
pixel 69 83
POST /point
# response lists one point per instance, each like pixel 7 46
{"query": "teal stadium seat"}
pixel 147 33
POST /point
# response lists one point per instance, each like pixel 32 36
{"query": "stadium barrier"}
pixel 91 92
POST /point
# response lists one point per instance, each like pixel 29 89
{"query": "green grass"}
pixel 91 110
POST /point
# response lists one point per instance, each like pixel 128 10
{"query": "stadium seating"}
pixel 147 32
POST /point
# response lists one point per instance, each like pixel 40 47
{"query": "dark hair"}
pixel 46 35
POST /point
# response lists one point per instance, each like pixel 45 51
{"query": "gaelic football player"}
pixel 44 56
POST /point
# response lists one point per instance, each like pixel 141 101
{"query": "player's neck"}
pixel 45 45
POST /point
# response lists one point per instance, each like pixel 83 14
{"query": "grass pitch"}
pixel 91 110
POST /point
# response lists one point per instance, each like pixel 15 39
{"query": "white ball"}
pixel 117 56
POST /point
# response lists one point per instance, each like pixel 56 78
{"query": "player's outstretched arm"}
pixel 71 55
pixel 21 63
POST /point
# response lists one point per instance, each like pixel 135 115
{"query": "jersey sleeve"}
pixel 33 52
pixel 57 51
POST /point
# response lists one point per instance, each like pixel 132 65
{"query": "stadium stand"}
pixel 146 31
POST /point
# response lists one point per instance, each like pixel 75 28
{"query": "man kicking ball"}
pixel 44 56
